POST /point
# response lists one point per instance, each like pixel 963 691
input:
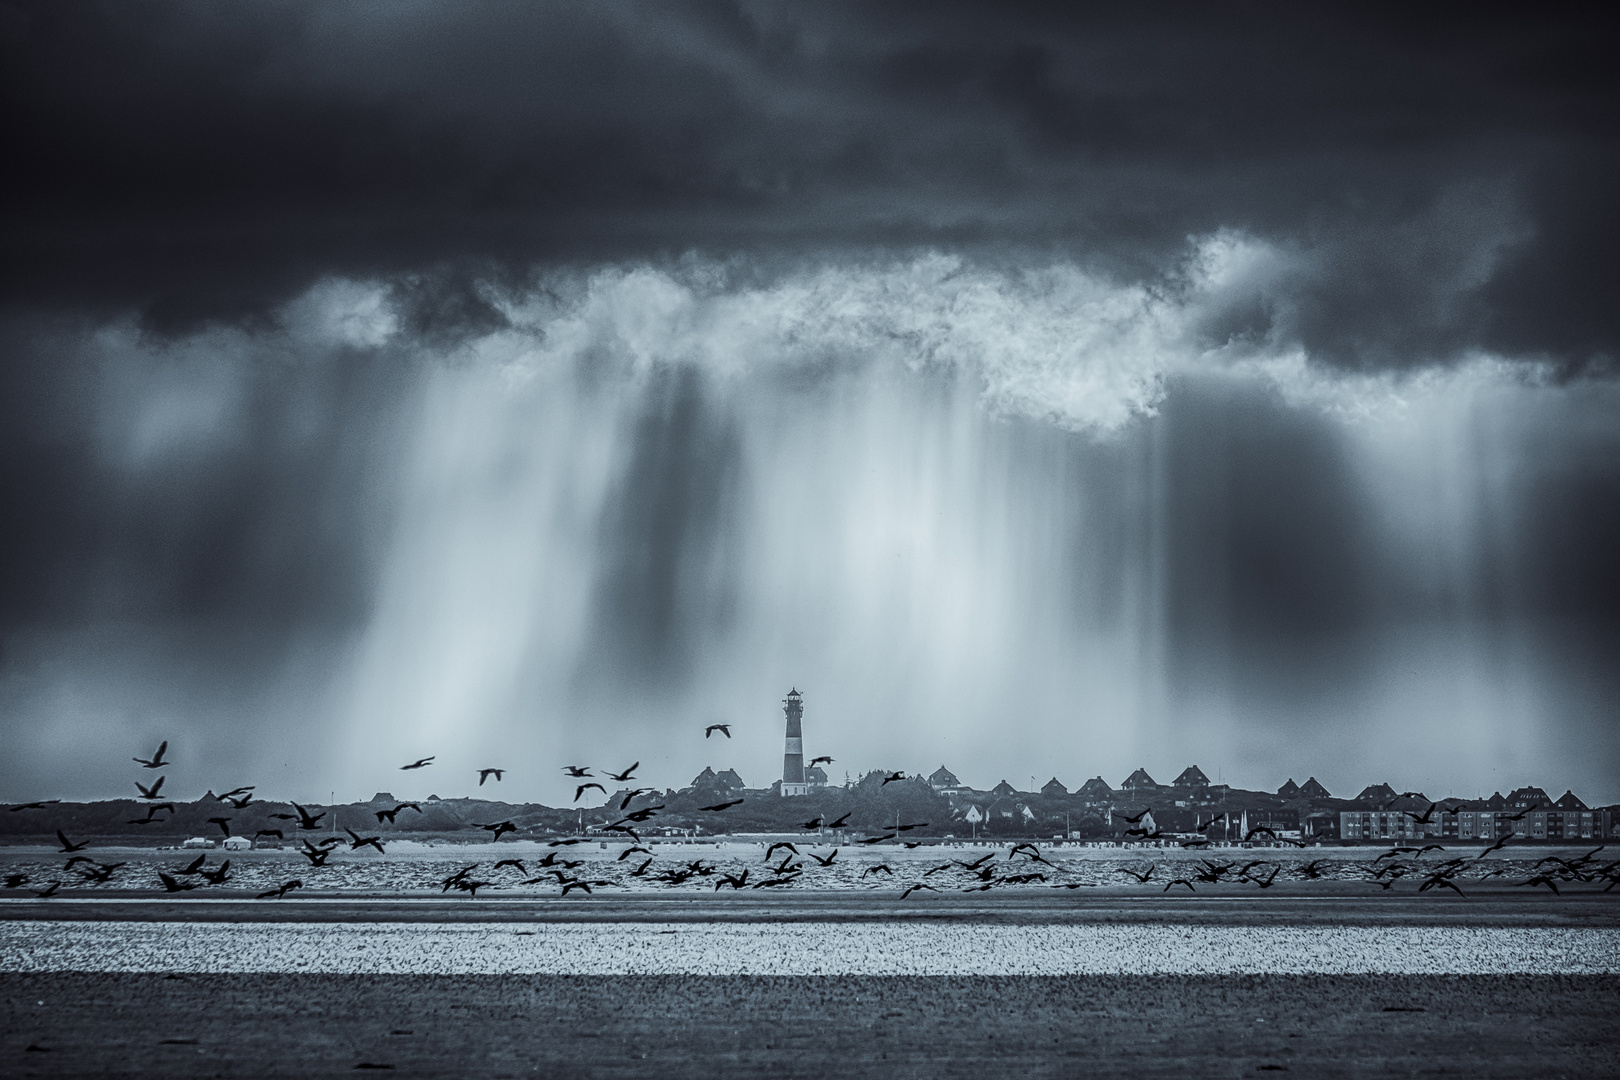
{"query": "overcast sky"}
pixel 1038 392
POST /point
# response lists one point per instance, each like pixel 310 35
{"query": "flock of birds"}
pixel 977 875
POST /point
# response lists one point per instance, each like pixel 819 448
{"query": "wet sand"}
pixel 276 1023
pixel 657 1026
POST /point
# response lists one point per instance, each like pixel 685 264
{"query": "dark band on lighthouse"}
pixel 793 782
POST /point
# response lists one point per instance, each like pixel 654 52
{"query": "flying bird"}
pixel 623 777
pixel 892 777
pixel 217 876
pixel 914 887
pixel 48 891
pixel 419 763
pixel 156 761
pixel 281 891
pixel 583 788
pixel 485 774
pixel 16 881
pixel 356 841
pixel 823 759
pixel 724 729
pixel 839 824
pixel 1142 876
pixel 498 829
pixel 879 868
pixel 1137 820
pixel 721 806
pixel 634 849
pixel 778 845
pixel 816 824
pixel 234 792
pixel 576 771
pixel 1180 881
pixel 172 885
pixel 1498 846
pixel 151 792
pixel 876 839
pixel 68 846
pixel 307 821
pixel 239 803
pixel 633 794
pixel 828 861
pixel 193 866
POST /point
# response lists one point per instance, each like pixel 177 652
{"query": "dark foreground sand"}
pixel 672 1026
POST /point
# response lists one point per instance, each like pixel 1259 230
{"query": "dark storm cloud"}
pixel 1443 178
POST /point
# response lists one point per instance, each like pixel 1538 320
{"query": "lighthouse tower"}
pixel 793 758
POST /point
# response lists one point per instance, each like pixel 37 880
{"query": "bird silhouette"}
pixel 778 845
pixel 724 729
pixel 634 849
pixel 643 814
pixel 1540 879
pixel 76 860
pixel 642 869
pixel 307 821
pixel 828 861
pixel 1179 881
pixel 822 760
pixel 576 771
pixel 388 815
pixel 498 829
pixel 172 885
pixel 936 869
pixel 282 890
pixel 193 866
pixel 68 846
pixel 634 793
pixel 913 825
pixel 583 788
pixel 883 868
pixel 1205 826
pixel 240 803
pixel 1137 820
pixel 1142 876
pixel 839 824
pixel 876 839
pixel 356 841
pixel 152 791
pixel 1498 846
pixel 892 777
pixel 1425 818
pixel 234 792
pixel 316 856
pixel 512 862
pixel 16 881
pixel 915 886
pixel 976 863
pixel 217 876
pixel 419 763
pixel 1265 882
pixel 40 805
pixel 1201 842
pixel 156 761
pixel 624 777
pixel 49 890
pixel 721 806
pixel 151 814
pixel 485 774
pixel 567 842
pixel 807 825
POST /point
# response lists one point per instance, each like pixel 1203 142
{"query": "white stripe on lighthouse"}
pixel 795 746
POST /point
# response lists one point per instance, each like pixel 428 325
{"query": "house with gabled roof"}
pixel 1311 789
pixel 1192 776
pixel 1528 798
pixel 1003 790
pixel 1138 781
pixel 1095 792
pixel 1569 801
pixel 1289 790
pixel 943 781
pixel 1054 790
pixel 1376 794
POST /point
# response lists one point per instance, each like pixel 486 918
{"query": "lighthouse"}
pixel 793 782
